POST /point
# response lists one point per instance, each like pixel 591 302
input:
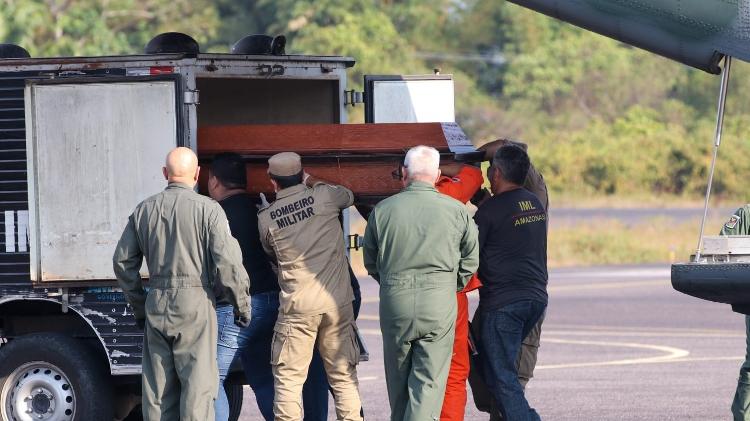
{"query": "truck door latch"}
pixel 64 299
pixel 192 97
pixel 353 97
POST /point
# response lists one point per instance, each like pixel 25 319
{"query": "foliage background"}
pixel 601 118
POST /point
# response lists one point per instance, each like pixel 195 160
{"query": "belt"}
pixel 441 279
pixel 175 282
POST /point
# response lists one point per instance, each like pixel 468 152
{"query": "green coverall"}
pixel 422 247
pixel 739 224
pixel 188 247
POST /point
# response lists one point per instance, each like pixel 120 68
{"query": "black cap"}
pixel 259 44
pixel 173 42
pixel 13 51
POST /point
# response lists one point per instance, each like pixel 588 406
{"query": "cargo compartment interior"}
pixel 231 101
pixel 237 102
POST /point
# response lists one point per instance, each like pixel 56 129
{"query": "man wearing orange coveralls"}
pixel 462 182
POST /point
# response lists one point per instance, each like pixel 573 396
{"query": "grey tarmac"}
pixel 618 344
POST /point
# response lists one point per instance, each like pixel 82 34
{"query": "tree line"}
pixel 600 116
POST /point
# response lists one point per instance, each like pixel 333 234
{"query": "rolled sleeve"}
pixel 339 195
pixel 463 186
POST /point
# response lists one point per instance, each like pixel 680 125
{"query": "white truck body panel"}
pixel 83 141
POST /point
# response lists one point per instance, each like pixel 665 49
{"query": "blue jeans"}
pixel 252 346
pixel 503 331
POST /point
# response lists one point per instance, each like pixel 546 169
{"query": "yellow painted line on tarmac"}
pixel 643 334
pixel 368 317
pixel 374 332
pixel 607 285
pixel 670 361
pixel 671 353
pixel 547 332
pixel 698 359
pixel 596 328
pixel 581 287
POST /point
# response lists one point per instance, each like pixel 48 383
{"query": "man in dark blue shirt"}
pixel 513 268
pixel 226 184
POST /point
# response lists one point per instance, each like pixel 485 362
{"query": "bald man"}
pixel 188 248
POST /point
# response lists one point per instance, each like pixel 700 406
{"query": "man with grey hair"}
pixel 421 246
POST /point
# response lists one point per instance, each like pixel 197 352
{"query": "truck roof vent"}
pixel 260 45
pixel 13 51
pixel 173 42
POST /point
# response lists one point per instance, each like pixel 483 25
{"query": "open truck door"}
pixel 113 132
pixel 94 148
pixel 409 99
pixel 418 99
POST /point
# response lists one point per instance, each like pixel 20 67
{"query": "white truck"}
pixel 82 140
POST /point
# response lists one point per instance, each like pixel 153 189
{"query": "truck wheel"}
pixel 52 377
pixel 234 395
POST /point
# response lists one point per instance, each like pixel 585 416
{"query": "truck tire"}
pixel 234 395
pixel 52 377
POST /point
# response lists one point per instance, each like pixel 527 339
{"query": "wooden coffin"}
pixel 361 157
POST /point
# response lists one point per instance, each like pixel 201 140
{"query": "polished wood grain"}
pixel 358 156
pixel 312 139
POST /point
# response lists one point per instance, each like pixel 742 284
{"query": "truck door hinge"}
pixel 192 97
pixel 64 299
pixel 353 97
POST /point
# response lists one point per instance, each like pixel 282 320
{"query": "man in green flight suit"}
pixel 422 247
pixel 186 241
pixel 739 224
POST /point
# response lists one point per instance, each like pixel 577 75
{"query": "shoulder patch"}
pixel 732 222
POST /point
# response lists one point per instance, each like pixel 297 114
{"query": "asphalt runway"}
pixel 618 343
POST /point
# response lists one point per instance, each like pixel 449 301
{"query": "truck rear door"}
pixel 409 99
pixel 95 147
pixel 417 99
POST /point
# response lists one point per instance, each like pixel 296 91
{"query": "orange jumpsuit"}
pixel 461 187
